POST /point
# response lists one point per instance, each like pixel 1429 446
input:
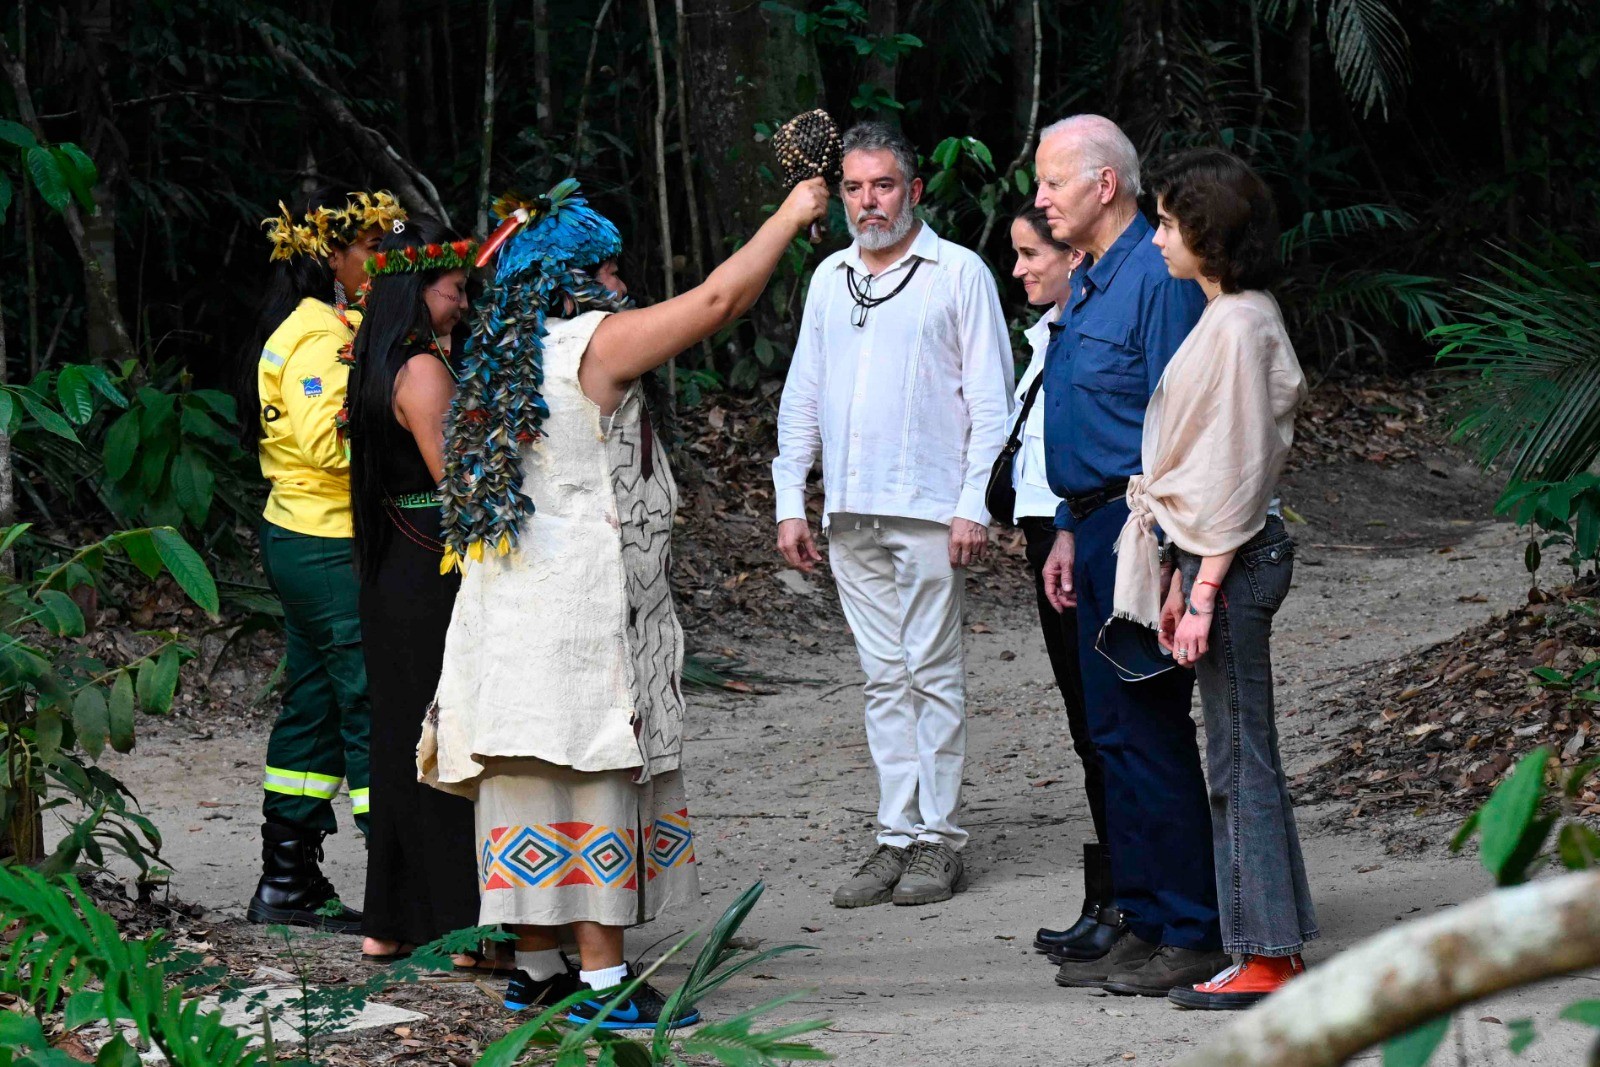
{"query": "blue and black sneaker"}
pixel 641 1011
pixel 524 991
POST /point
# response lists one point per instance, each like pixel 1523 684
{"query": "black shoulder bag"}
pixel 1001 496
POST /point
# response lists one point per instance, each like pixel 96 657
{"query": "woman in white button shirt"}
pixel 1045 267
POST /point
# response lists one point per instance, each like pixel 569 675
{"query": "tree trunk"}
pixel 1390 983
pixel 102 295
pixel 685 156
pixel 394 39
pixel 727 39
pixel 883 19
pixel 541 66
pixel 486 141
pixel 667 286
pixel 403 179
pixel 1300 85
pixel 107 334
pixel 1508 154
pixel 583 92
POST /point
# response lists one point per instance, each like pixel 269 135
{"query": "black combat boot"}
pixel 1096 894
pixel 293 890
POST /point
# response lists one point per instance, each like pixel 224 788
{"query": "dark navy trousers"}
pixel 1157 812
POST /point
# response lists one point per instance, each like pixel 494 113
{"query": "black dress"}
pixel 422 874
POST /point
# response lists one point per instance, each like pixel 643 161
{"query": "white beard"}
pixel 875 239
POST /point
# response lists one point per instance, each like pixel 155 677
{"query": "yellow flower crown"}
pixel 312 234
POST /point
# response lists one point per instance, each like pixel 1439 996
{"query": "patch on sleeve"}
pixel 312 386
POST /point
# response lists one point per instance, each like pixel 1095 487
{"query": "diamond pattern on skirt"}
pixel 544 856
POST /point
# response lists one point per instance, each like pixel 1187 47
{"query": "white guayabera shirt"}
pixel 909 409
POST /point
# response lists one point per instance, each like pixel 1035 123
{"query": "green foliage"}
pixel 1527 357
pixel 1514 830
pixel 59 173
pixel 1415 1047
pixel 60 706
pixel 1562 515
pixel 68 953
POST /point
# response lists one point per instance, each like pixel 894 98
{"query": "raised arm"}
pixel 632 343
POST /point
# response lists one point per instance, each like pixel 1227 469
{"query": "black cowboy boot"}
pixel 1095 896
pixel 293 890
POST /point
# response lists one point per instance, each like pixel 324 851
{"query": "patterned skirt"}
pixel 557 845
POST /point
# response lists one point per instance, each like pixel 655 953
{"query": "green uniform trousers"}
pixel 320 737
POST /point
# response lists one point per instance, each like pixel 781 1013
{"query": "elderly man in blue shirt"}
pixel 1124 321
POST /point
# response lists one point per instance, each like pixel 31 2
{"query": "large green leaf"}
pixel 75 393
pixel 141 549
pixel 5 195
pixel 186 566
pixel 48 179
pixel 91 719
pixel 16 134
pixel 192 484
pixel 45 417
pixel 77 180
pixel 121 445
pixel 119 713
pixel 60 613
pixel 1510 816
pixel 1415 1048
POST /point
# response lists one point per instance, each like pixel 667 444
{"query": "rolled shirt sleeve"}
pixel 987 371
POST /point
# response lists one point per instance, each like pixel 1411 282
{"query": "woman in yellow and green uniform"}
pixel 295 384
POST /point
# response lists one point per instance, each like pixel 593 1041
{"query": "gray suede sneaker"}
pixel 933 873
pixel 874 881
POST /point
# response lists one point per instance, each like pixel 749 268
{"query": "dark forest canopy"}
pixel 1401 138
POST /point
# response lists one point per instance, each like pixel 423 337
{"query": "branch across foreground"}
pixel 1398 979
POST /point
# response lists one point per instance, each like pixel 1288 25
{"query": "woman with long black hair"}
pixel 421 880
pixel 291 387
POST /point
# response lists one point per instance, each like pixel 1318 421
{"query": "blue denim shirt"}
pixel 1125 319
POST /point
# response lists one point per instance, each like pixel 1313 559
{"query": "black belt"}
pixel 1082 505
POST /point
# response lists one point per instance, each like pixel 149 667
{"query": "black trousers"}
pixel 1061 642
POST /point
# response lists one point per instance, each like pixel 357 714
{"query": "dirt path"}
pixel 782 790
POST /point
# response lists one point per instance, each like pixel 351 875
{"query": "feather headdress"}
pixel 311 234
pixel 545 247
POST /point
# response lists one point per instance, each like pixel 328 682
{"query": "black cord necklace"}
pixel 861 292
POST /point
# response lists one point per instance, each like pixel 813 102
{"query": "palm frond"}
pixel 1330 224
pixel 1527 353
pixel 1370 51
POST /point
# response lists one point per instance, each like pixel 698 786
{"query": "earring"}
pixel 339 298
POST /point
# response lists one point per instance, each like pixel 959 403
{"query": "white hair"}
pixel 1103 144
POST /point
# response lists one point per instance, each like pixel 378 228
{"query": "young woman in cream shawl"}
pixel 1215 437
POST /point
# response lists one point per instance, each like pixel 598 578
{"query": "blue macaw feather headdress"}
pixel 547 247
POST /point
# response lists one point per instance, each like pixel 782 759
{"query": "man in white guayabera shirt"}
pixel 902 380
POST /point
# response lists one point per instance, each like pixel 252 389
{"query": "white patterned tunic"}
pixel 568 649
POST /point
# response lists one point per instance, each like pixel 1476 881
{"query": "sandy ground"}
pixel 782 790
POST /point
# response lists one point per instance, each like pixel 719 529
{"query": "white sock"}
pixel 605 978
pixel 541 965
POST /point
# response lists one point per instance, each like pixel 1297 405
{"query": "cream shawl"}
pixel 1216 433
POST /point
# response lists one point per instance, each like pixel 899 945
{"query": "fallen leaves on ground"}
pixel 1439 730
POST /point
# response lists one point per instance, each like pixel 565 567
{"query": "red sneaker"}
pixel 1250 980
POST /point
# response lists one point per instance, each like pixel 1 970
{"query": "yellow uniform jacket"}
pixel 302 386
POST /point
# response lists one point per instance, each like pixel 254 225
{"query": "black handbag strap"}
pixel 1022 416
